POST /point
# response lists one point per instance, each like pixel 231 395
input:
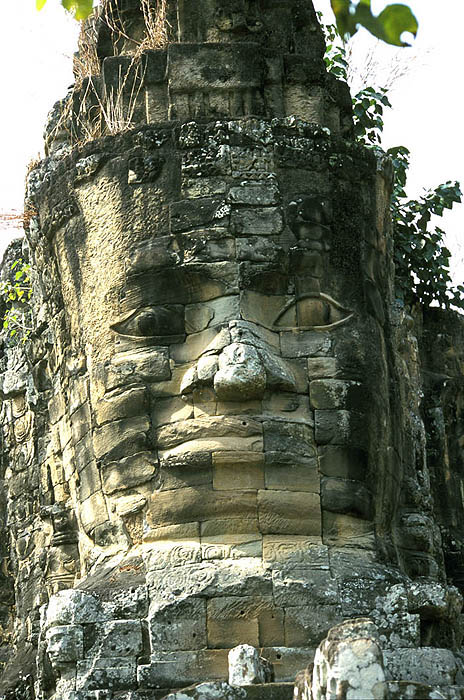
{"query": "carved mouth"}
pixel 184 441
pixel 203 434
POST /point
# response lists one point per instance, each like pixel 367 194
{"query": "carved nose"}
pixel 241 375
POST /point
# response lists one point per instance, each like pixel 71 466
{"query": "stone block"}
pixel 291 472
pixel 289 512
pixel 207 246
pixel 221 529
pixel 194 504
pixel 203 187
pixel 219 689
pixel 340 427
pixel 176 477
pixel 137 366
pixel 344 462
pixel 120 638
pixel 116 673
pixel 305 344
pixel 120 438
pixel 336 393
pixel 424 665
pixel 181 668
pixel 56 407
pixel 210 427
pixel 125 404
pixel 189 451
pixel 254 194
pixel 83 452
pixel 222 633
pixel 64 431
pixel 287 661
pixel 408 690
pixel 170 410
pixel 218 66
pixel 350 661
pixel 93 511
pixel 72 607
pixel 200 212
pixel 179 627
pixel 126 473
pixel 245 666
pixel 288 406
pixel 252 617
pixel 322 368
pixel 89 481
pixel 257 249
pixel 283 436
pixel 209 340
pixel 78 393
pixel 271 628
pixel 282 552
pixel 166 554
pixel 305 587
pixel 216 312
pixel 306 626
pixel 347 496
pixel 257 220
pixel 170 533
pixel 241 470
pixel 343 530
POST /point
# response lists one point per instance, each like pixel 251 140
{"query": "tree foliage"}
pixel 16 292
pixel 389 25
pixel 420 255
pixel 80 9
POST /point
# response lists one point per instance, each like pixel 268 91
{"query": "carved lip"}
pixel 240 435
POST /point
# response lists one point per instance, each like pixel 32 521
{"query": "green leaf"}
pixel 81 9
pixel 388 26
pixel 344 14
pixel 40 3
pixel 396 19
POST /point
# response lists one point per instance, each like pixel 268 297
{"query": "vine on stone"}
pixel 16 292
pixel 420 256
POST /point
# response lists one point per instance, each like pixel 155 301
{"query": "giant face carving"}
pixel 230 341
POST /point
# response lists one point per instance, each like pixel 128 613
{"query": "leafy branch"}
pixel 389 25
pixel 17 292
pixel 80 9
pixel 420 256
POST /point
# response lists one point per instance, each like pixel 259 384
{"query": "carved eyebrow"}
pixel 314 295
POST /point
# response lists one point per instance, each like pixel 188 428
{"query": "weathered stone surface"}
pixel 246 667
pixel 426 665
pixel 223 429
pixel 349 663
pixel 286 512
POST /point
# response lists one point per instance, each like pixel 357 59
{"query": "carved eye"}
pixel 152 322
pixel 312 311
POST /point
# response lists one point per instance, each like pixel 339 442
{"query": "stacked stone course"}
pixel 216 435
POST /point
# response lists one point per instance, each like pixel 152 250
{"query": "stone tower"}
pixel 222 430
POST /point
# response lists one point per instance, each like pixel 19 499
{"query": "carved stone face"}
pixel 232 350
pixel 64 646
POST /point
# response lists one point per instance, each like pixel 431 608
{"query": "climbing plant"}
pixel 421 258
pixel 16 292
